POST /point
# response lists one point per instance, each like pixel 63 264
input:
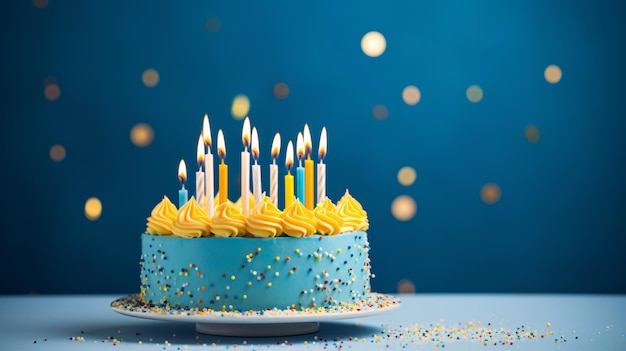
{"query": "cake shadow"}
pixel 166 333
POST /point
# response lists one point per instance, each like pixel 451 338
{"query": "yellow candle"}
pixel 223 168
pixel 289 197
pixel 289 192
pixel 309 182
pixel 309 195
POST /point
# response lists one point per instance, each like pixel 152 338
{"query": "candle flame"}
pixel 289 156
pixel 206 132
pixel 245 133
pixel 308 143
pixel 182 172
pixel 276 146
pixel 255 144
pixel 221 145
pixel 322 148
pixel 300 146
pixel 200 152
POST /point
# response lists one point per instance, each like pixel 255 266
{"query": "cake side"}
pixel 243 273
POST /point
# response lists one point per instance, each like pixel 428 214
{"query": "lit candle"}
pixel 199 173
pixel 321 168
pixel 289 177
pixel 300 169
pixel 274 170
pixel 223 168
pixel 256 169
pixel 209 175
pixel 182 176
pixel 309 194
pixel 245 167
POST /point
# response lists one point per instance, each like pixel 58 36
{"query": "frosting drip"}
pixel 352 213
pixel 228 221
pixel 298 221
pixel 192 221
pixel 265 220
pixel 328 220
pixel 161 218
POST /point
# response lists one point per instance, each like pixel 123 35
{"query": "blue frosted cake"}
pixel 271 259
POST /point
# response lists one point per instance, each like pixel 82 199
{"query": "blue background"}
pixel 558 227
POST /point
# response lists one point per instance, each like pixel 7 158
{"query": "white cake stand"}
pixel 256 324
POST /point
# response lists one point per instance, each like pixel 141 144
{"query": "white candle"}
pixel 274 170
pixel 256 169
pixel 321 168
pixel 199 173
pixel 245 167
pixel 209 175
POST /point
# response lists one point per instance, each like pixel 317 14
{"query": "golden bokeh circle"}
pixel 407 175
pixel 490 193
pixel 150 77
pixel 553 74
pixel 40 4
pixel 240 107
pixel 141 134
pixel 380 112
pixel 474 93
pixel 281 90
pixel 403 208
pixel 405 286
pixel 411 95
pixel 373 44
pixel 57 153
pixel 213 25
pixel 52 92
pixel 93 208
pixel 531 132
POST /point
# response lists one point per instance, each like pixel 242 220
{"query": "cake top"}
pixel 264 220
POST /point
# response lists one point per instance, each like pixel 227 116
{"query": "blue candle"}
pixel 300 170
pixel 300 183
pixel 182 197
pixel 182 176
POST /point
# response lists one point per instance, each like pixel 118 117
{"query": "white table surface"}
pixel 423 322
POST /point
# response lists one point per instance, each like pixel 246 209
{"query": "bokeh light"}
pixel 57 153
pixel 213 25
pixel 150 77
pixel 411 95
pixel 281 90
pixel 553 74
pixel 380 112
pixel 93 208
pixel 474 93
pixel 406 175
pixel 490 193
pixel 373 44
pixel 403 208
pixel 141 134
pixel 241 106
pixel 52 91
pixel 405 286
pixel 531 132
pixel 40 4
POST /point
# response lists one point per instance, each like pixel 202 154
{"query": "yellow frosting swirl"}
pixel 250 201
pixel 192 221
pixel 328 220
pixel 352 213
pixel 265 220
pixel 228 221
pixel 161 218
pixel 298 221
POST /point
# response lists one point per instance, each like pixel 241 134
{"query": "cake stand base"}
pixel 257 330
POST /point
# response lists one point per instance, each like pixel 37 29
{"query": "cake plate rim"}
pixel 378 303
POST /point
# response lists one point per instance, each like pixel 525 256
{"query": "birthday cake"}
pixel 297 258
